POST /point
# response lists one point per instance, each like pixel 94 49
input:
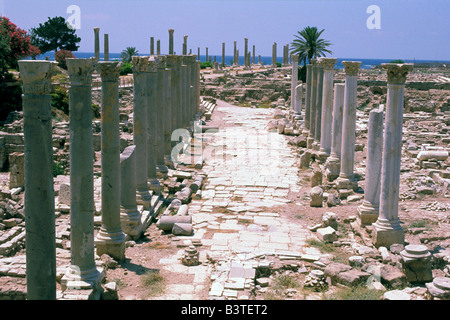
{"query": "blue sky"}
pixel 409 29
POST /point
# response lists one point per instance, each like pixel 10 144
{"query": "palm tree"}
pixel 308 45
pixel 128 53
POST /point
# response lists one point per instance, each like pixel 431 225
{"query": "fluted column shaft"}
pixel 307 98
pixel 313 99
pixel 318 112
pixel 387 227
pixel 294 80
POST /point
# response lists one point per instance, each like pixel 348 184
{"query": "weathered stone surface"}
pixel 316 195
pixel 327 234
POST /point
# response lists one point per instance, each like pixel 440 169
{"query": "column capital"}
pixel 171 30
pixel 80 70
pixel 36 76
pixel 351 67
pixel 313 62
pixel 143 64
pixel 160 61
pixel 328 63
pixel 396 73
pixel 110 70
pixel 295 57
pixel 172 60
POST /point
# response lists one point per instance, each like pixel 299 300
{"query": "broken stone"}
pixel 316 196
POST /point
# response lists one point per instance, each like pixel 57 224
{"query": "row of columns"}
pixel 330 124
pixel 166 97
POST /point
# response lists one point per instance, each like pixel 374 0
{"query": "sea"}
pixel 267 60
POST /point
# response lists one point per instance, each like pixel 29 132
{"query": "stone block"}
pixel 352 277
pixel 16 170
pixel 316 196
pixel 327 234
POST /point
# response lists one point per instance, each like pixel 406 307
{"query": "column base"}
pixel 130 220
pixel 162 170
pixel 332 168
pixel 76 279
pixel 143 198
pixel 323 155
pixel 111 243
pixel 347 182
pixel 154 185
pixel 385 233
pixel 367 213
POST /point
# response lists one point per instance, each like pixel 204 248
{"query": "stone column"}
pixel 318 116
pixel 274 55
pixel 153 102
pixel 246 52
pixel 130 217
pixel 97 43
pixel 152 46
pixel 185 44
pixel 167 113
pixel 160 122
pixel 106 45
pixel 223 54
pixel 294 81
pixel 171 41
pixel 327 107
pixel 158 47
pixel 298 100
pixel 207 56
pixel 110 238
pixel 368 210
pixel 253 54
pixel 333 163
pixel 387 228
pixel 39 195
pixel 235 53
pixel 198 53
pixel 307 99
pixel 141 66
pixel 313 99
pixel 82 273
pixel 346 179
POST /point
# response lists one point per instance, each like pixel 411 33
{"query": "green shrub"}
pixel 127 68
pixel 397 61
pixel 95 111
pixel 205 64
pixel 10 96
pixel 58 168
pixel 278 64
pixel 60 99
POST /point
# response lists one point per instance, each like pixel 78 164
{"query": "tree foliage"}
pixel 308 44
pixel 54 35
pixel 61 56
pixel 15 44
pixel 128 53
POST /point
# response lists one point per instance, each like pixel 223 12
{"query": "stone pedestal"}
pixel 82 273
pixel 387 229
pixel 347 179
pixel 416 264
pixel 333 163
pixel 110 238
pixel 130 216
pixel 141 66
pixel 38 165
pixel 368 210
pixel 327 107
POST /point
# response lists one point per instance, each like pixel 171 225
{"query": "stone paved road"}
pixel 250 171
